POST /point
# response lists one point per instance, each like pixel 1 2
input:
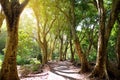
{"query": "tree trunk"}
pixel 61 47
pixel 101 70
pixel 65 51
pixel 9 68
pixel 51 50
pixel 1 19
pixel 52 46
pixel 12 10
pixel 118 45
pixel 71 49
pixel 45 51
pixel 44 56
pixel 82 57
pixel 42 42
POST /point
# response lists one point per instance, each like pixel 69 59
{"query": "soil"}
pixel 61 70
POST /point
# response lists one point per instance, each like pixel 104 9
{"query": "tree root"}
pixel 99 75
pixel 112 73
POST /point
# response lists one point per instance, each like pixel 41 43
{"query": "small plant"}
pixel 34 61
pixel 35 67
pixel 35 64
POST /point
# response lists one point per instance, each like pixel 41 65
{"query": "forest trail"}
pixel 61 70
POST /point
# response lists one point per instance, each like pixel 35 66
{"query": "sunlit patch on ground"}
pixel 58 71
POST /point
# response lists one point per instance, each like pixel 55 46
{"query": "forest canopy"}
pixel 35 32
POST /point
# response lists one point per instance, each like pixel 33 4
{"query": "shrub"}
pixel 22 61
pixel 1 60
pixel 34 61
pixel 92 57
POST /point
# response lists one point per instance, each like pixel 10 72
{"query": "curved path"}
pixel 62 70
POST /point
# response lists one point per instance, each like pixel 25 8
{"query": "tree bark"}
pixel 41 39
pixel 9 68
pixel 12 12
pixel 2 17
pixel 52 46
pixel 65 51
pixel 100 69
pixel 71 19
pixel 44 26
pixel 45 51
pixel 82 57
pixel 118 45
pixel 71 48
pixel 61 47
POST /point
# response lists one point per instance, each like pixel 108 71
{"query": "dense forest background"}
pixel 82 31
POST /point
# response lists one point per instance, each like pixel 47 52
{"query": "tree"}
pixel 1 18
pixel 71 47
pixel 101 69
pixel 69 13
pixel 63 39
pixel 59 34
pixel 3 35
pixel 52 45
pixel 12 10
pixel 118 44
pixel 61 46
pixel 83 59
pixel 45 20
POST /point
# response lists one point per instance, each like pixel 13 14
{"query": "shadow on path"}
pixel 62 70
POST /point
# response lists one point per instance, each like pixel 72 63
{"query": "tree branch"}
pixel 51 25
pixel 63 12
pixel 45 25
pixel 113 17
pixel 5 6
pixel 95 3
pixel 23 4
pixel 1 19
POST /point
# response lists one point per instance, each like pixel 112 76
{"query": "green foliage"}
pixel 92 57
pixel 1 60
pixel 55 56
pixel 35 67
pixel 1 57
pixel 34 61
pixel 27 48
pixel 0 64
pixel 2 41
pixel 24 47
pixel 112 43
pixel 39 57
pixel 22 61
pixel 45 12
pixel 77 58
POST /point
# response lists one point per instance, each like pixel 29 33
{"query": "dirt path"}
pixel 58 71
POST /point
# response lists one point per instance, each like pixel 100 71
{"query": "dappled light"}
pixel 59 40
pixel 60 70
